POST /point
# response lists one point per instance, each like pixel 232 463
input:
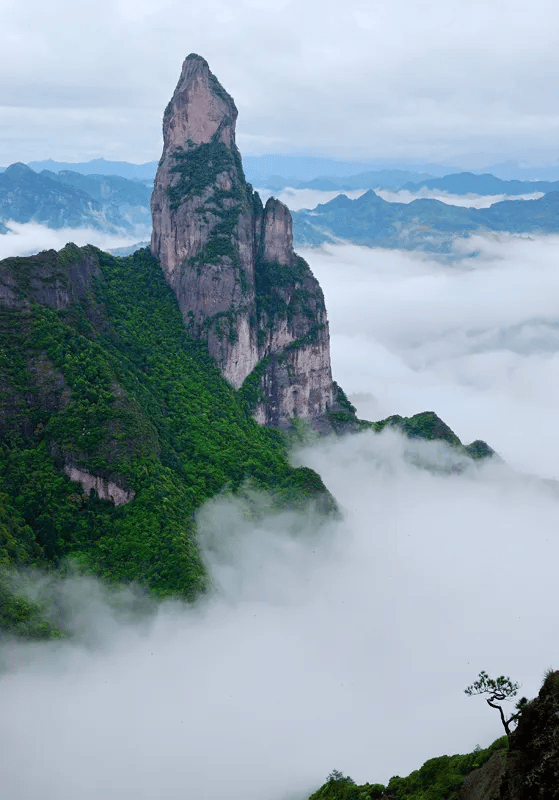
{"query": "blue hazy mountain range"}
pixel 423 224
pixel 373 179
pixel 99 166
pixel 315 172
pixel 259 169
pixel 69 199
pixel 469 183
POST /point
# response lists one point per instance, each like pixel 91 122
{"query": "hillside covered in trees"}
pixel 100 380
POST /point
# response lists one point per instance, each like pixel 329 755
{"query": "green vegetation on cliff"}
pixel 438 779
pixel 108 382
pixel 427 425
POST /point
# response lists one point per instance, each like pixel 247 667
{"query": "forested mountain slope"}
pixel 99 380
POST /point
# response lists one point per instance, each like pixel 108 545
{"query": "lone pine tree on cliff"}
pixel 501 688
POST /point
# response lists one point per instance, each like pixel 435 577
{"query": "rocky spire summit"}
pixel 231 264
pixel 199 108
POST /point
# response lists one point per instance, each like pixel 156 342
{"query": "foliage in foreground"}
pixel 438 779
pixel 496 689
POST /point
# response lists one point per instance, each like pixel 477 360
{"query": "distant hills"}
pixel 99 166
pixel 428 225
pixel 77 198
pixel 270 172
pixel 69 199
pixel 373 179
pixel 467 183
pixel 259 169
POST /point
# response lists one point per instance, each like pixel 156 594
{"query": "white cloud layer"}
pixel 27 238
pixel 346 646
pixel 476 341
pixel 466 200
pixel 296 199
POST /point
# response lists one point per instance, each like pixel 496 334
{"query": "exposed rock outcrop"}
pixel 532 767
pixel 56 280
pixel 231 264
pixel 484 783
pixel 106 490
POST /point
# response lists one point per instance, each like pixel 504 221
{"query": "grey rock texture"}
pixel 230 261
pixel 532 767
pixel 106 490
pixel 484 783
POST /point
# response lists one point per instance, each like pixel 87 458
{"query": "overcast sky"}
pixel 452 81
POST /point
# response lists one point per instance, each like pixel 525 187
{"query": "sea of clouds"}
pixel 348 644
pixel 296 199
pixel 27 238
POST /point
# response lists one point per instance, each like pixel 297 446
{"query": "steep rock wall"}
pixel 231 264
pixel 532 768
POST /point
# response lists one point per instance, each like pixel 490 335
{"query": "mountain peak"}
pixel 230 262
pixel 18 169
pixel 199 109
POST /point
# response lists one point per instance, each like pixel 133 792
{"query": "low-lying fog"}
pixel 27 238
pixel 477 340
pixel 347 646
pixel 465 200
pixel 296 199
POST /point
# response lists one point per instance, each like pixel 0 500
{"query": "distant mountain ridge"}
pixel 71 200
pixel 259 170
pixel 423 224
pixel 372 179
pixel 62 198
pixel 468 183
pixel 100 166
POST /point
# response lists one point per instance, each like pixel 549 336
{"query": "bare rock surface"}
pixel 230 261
pixel 106 489
pixel 532 769
pixel 484 783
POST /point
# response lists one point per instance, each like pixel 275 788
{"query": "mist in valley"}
pixel 297 199
pixel 27 238
pixel 344 644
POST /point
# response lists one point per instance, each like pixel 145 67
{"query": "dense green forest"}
pixel 99 375
pixel 438 779
pixel 108 380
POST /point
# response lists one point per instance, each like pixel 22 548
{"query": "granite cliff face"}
pixel 231 264
pixel 532 766
pixel 530 769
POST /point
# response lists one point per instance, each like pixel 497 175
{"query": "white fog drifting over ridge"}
pixel 339 647
pixel 345 646
pixel 463 200
pixel 476 341
pixel 297 199
pixel 25 239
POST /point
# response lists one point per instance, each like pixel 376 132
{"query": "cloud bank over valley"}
pixel 475 340
pixel 297 199
pixel 344 645
pixel 24 239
